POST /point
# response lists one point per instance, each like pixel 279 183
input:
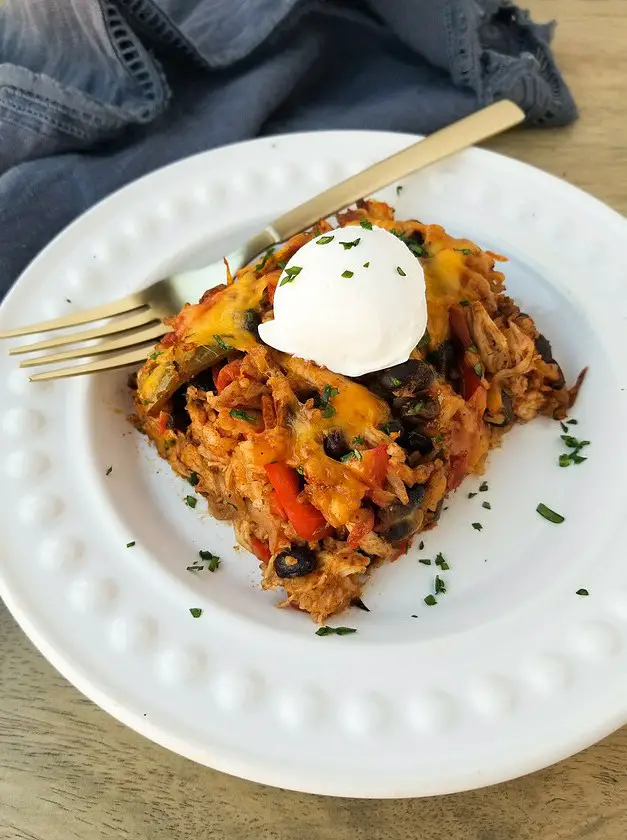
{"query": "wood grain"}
pixel 70 772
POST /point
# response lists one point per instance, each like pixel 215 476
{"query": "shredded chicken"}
pixel 334 475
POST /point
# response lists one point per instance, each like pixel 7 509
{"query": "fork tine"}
pixel 107 310
pixel 146 316
pixel 130 357
pixel 131 340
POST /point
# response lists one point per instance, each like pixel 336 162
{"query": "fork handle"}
pixel 460 135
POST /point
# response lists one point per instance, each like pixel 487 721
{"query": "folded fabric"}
pixel 95 93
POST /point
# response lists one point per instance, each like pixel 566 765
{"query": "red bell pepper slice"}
pixel 227 374
pixel 470 380
pixel 373 465
pixel 276 507
pixel 459 326
pixel 307 520
pixel 261 550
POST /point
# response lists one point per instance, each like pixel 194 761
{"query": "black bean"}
pixel 415 412
pixel 416 236
pixel 296 562
pixel 417 458
pixel 399 520
pixel 561 380
pixel 392 427
pixel 413 372
pixel 180 419
pixel 443 358
pixel 415 441
pixel 543 346
pixel 335 445
pixel 204 380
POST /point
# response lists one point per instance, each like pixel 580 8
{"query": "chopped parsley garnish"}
pixel 564 427
pixel 109 471
pixel 415 247
pixel 323 401
pixel 359 440
pixel 479 369
pixel 131 544
pixel 425 561
pixel 477 526
pixel 290 274
pixel 354 453
pixel 483 486
pixel 353 244
pixel 212 560
pixel 440 586
pixel 421 545
pixel 366 224
pixel 238 414
pixel 572 422
pixel 441 562
pixel 464 250
pixel 439 438
pixel 250 320
pixel 281 263
pixel 222 343
pixel 367 264
pixel 549 514
pixel 582 592
pixel 154 355
pixel 348 274
pixel 399 189
pixel 328 391
pixel 430 601
pixel 464 303
pixel 324 240
pixel 191 501
pixel 300 470
pixel 471 495
pixel 325 630
pixel 572 442
pixel 424 341
pixel 395 382
pixel 575 445
pixel 400 271
pixel 486 505
pixel 261 264
pixel 193 478
pixel 416 408
pixel 195 611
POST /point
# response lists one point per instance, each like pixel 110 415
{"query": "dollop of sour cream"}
pixel 352 300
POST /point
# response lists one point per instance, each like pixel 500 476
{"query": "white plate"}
pixel 510 672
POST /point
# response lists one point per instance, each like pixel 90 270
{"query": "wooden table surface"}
pixel 69 771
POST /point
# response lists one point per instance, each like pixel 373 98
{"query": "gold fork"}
pixel 137 320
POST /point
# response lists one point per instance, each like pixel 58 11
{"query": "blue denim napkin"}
pixel 95 93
